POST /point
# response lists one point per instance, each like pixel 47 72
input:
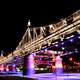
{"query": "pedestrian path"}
pixel 50 76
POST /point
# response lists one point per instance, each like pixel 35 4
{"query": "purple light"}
pixel 78 37
pixel 14 65
pixel 56 45
pixel 62 43
pixel 30 63
pixel 71 40
pixel 46 49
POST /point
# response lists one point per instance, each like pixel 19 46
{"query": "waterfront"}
pixel 46 76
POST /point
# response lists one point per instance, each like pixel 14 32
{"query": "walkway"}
pixel 50 76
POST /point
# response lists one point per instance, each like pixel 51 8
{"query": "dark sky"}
pixel 14 16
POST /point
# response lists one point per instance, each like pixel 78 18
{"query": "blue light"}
pixel 62 43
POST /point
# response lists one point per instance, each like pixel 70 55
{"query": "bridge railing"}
pixel 59 25
pixel 76 15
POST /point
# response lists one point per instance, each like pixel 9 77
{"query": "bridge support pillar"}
pixel 28 67
pixel 58 65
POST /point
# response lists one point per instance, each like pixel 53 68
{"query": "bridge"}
pixel 40 38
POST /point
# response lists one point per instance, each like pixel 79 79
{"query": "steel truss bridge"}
pixel 35 37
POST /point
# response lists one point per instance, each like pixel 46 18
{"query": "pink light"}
pixel 31 61
pixel 30 65
pixel 71 59
pixel 2 67
pixel 58 62
pixel 59 66
pixel 53 66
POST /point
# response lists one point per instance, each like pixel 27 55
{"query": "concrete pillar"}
pixel 58 65
pixel 28 67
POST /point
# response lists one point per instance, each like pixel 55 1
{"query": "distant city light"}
pixel 59 52
pixel 63 48
pixel 18 69
pixel 76 51
pixel 70 58
pixel 42 69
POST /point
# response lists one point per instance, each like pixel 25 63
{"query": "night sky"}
pixel 14 17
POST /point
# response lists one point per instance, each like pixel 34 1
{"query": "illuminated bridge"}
pixel 45 38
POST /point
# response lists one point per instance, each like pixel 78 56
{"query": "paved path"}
pixel 50 76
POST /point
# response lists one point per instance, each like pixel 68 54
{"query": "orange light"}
pixel 53 66
pixel 71 59
pixel 59 66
